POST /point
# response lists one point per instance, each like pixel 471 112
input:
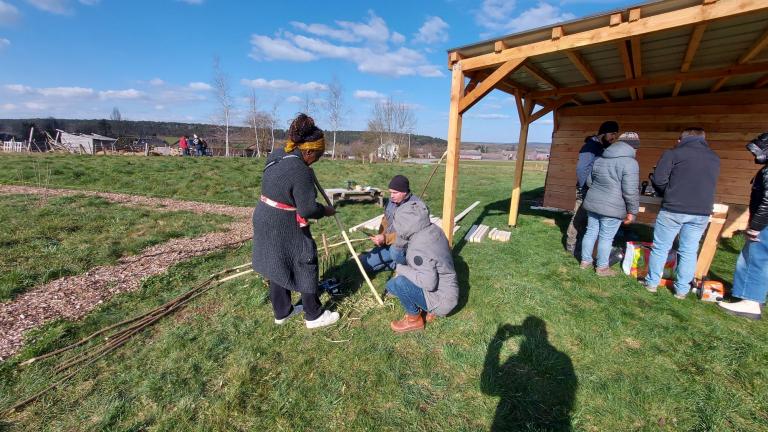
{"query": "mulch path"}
pixel 73 297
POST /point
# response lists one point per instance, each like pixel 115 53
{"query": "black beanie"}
pixel 608 127
pixel 400 183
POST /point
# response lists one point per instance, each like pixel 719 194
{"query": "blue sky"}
pixel 153 58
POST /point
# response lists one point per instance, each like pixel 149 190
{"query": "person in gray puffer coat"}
pixel 613 197
pixel 426 279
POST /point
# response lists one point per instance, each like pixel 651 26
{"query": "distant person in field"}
pixel 591 150
pixel 750 281
pixel 426 282
pixel 204 147
pixel 381 256
pixel 284 251
pixel 184 145
pixel 198 143
pixel 613 198
pixel 685 178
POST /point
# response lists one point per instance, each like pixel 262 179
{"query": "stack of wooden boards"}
pixel 477 233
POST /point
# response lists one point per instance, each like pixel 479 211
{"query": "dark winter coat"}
pixel 613 185
pixel 282 251
pixel 686 176
pixel 758 201
pixel 429 260
pixel 590 151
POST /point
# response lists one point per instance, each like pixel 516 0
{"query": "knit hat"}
pixel 631 138
pixel 608 127
pixel 400 183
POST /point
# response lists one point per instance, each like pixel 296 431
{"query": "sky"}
pixel 153 59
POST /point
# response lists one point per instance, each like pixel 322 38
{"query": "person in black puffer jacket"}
pixel 750 281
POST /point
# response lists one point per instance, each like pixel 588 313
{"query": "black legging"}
pixel 281 302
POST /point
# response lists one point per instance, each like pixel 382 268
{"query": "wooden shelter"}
pixel 656 68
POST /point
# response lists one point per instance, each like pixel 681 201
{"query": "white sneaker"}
pixel 297 309
pixel 326 319
pixel 745 308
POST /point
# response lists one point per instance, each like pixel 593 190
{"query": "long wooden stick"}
pixel 349 243
pixel 434 170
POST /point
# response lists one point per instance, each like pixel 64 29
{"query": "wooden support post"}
pixel 452 157
pixel 525 115
pixel 709 246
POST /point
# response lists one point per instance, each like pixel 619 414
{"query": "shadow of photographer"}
pixel 536 386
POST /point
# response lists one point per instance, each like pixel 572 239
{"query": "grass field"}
pixel 48 238
pixel 535 343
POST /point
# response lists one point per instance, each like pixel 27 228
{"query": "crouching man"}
pixel 425 281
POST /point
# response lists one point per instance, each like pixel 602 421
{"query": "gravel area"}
pixel 73 297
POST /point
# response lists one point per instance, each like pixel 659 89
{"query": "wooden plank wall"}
pixel 730 119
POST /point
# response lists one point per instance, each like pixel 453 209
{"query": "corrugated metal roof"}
pixel 722 45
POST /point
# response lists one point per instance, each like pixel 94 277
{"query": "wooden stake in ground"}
pixel 349 244
pixel 434 170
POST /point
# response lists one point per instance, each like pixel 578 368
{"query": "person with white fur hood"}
pixel 425 281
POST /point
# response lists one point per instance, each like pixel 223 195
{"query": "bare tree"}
pixel 309 104
pixel 224 96
pixel 391 122
pixel 115 116
pixel 253 118
pixel 274 119
pixel 335 104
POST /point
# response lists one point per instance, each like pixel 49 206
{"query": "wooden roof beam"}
pixel 751 53
pixel 485 87
pixel 637 62
pixel 535 72
pixel 690 52
pixel 761 82
pixel 627 63
pixel 642 26
pixel 550 106
pixel 585 70
pixel 745 69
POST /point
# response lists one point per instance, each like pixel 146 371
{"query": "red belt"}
pixel 278 205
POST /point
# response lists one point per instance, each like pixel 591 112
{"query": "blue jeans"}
pixel 380 258
pixel 411 296
pixel 600 229
pixel 750 282
pixel 668 225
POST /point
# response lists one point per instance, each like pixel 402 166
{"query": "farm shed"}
pixel 84 143
pixel 656 68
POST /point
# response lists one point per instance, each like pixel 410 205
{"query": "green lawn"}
pixel 535 344
pixel 48 238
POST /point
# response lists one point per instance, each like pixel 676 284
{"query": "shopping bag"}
pixel 636 260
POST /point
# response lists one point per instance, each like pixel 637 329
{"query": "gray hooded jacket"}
pixel 429 260
pixel 614 184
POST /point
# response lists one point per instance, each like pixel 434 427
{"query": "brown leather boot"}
pixel 408 323
pixel 429 317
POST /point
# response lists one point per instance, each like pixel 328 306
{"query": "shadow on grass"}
pixel 536 386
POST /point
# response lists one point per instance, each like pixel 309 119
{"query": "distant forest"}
pixel 240 136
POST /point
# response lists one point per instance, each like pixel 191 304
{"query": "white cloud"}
pixel 432 31
pixel 267 48
pixel 7 107
pixel 60 7
pixel 156 82
pixel 294 99
pixel 369 94
pixel 4 43
pixel 18 88
pixel 121 94
pixel 200 86
pixel 35 106
pixel 65 92
pixel 324 30
pixel 278 84
pixel 490 116
pixel 500 16
pixel 8 13
pixel 159 107
pixel 371 53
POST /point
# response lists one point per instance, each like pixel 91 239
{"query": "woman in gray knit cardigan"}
pixel 613 198
pixel 284 251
